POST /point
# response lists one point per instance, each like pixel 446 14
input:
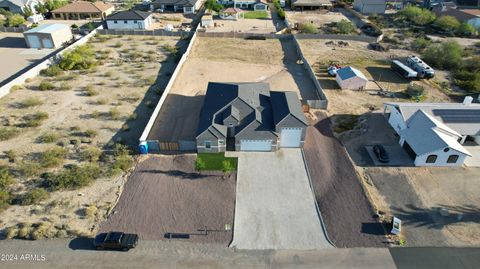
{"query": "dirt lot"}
pixel 317 18
pixel 177 20
pixel 345 208
pixel 14 51
pixel 243 26
pixel 375 65
pixel 166 195
pixel 87 109
pixel 227 60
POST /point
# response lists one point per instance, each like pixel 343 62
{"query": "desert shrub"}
pixel 72 178
pixel 466 30
pixel 15 20
pixel 114 114
pixel 447 23
pixel 11 155
pixel 5 199
pixel 52 157
pixel 120 149
pixel 90 91
pixel 7 133
pixel 91 211
pixel 345 123
pixel 46 85
pixel 28 169
pixel 30 102
pixel 90 154
pixel 415 91
pixel 24 231
pixel 90 133
pixel 42 230
pixel 6 179
pixel 101 101
pixel 34 120
pixel 345 27
pixel 467 76
pixel 419 44
pixel 150 80
pixel 34 196
pixel 125 127
pixel 81 58
pixel 308 28
pixel 11 232
pixel 123 162
pixel 49 137
pixel 417 15
pixel 447 55
pixel 118 44
pixel 64 87
pixel 52 71
pixel 227 166
pixel 132 117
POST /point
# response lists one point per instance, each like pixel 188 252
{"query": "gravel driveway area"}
pixel 347 213
pixel 166 195
pixel 275 207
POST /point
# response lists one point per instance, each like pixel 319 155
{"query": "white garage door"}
pixel 290 137
pixel 256 145
pixel 34 41
pixel 47 43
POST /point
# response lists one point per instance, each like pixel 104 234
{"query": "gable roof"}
pixel 47 28
pixel 232 10
pixel 18 3
pixel 425 134
pixel 350 72
pixel 463 118
pixel 312 3
pixel 284 104
pixel 175 2
pixel 129 15
pixel 84 7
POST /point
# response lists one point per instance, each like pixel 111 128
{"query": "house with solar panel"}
pixel 437 134
pixel 249 117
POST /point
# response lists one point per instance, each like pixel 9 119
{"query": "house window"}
pixel 446 149
pixel 230 124
pixel 125 22
pixel 431 158
pixel 221 142
pixel 452 159
pixel 115 21
pixel 208 144
pixel 134 21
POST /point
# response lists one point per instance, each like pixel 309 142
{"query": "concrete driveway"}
pixel 275 207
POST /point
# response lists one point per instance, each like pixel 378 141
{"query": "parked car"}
pixel 115 241
pixel 381 153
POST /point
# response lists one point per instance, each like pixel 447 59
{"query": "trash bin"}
pixel 143 147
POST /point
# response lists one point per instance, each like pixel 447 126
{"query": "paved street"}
pixel 63 253
pixel 275 208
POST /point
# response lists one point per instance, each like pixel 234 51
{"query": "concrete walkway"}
pixel 275 207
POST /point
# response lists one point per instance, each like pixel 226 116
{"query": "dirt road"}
pixel 346 211
pixel 165 195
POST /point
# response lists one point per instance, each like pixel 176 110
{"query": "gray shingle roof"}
pixel 252 104
pixel 175 2
pixel 129 15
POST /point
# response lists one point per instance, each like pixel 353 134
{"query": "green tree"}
pixel 308 28
pixel 27 12
pixel 466 30
pixel 419 16
pixel 213 5
pixel 54 4
pixel 447 23
pixel 41 8
pixel 81 58
pixel 345 27
pixel 15 20
pixel 447 55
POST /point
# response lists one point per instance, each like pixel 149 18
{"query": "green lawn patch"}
pixel 256 15
pixel 215 162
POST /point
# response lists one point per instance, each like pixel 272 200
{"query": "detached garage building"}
pixel 48 36
pixel 349 78
pixel 249 117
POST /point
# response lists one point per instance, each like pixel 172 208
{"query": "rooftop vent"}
pixel 468 100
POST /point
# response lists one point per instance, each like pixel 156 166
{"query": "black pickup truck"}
pixel 115 240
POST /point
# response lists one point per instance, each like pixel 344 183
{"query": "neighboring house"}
pixel 130 19
pixel 249 117
pixel 17 6
pixel 349 78
pixel 185 6
pixel 231 13
pixel 48 36
pixel 81 10
pixel 468 3
pixel 434 128
pixel 248 4
pixel 311 4
pixel 207 21
pixel 370 6
pixel 470 16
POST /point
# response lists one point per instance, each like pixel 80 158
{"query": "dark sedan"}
pixel 115 241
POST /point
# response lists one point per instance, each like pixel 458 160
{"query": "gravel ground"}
pixel 346 210
pixel 165 195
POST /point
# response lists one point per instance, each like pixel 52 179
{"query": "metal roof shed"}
pixel 349 78
pixel 48 36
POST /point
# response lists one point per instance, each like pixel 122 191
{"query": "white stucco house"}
pixel 370 6
pixel 434 134
pixel 349 78
pixel 184 6
pixel 260 5
pixel 48 36
pixel 130 19
pixel 18 6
